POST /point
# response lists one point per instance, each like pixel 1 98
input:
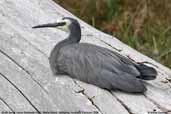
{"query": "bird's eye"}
pixel 61 23
pixel 63 18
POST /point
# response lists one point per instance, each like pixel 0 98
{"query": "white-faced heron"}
pixel 93 64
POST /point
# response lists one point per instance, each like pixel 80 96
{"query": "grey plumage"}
pixel 97 65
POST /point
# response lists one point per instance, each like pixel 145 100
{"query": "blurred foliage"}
pixel 143 24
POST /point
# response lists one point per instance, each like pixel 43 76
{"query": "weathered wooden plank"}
pixel 4 106
pixel 11 96
pixel 137 104
pixel 25 85
pixel 161 97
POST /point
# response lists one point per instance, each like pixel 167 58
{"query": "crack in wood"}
pixel 158 106
pixel 20 92
pixel 168 79
pixel 122 103
pixel 90 99
pixel 24 70
pixel 119 50
pixel 7 105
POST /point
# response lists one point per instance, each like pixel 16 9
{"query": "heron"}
pixel 94 64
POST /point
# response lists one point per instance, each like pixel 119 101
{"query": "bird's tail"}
pixel 146 72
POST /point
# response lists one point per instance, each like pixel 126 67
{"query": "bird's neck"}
pixel 73 38
pixel 74 34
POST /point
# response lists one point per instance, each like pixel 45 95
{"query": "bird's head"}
pixel 66 24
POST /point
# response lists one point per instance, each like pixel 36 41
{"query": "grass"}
pixel 142 24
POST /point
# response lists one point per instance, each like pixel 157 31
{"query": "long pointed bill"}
pixel 50 25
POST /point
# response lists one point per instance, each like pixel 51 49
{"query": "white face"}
pixel 64 27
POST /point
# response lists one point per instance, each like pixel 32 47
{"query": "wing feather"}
pixel 99 66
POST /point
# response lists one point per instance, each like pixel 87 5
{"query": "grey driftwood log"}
pixel 27 84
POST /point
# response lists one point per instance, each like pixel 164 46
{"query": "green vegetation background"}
pixel 143 24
